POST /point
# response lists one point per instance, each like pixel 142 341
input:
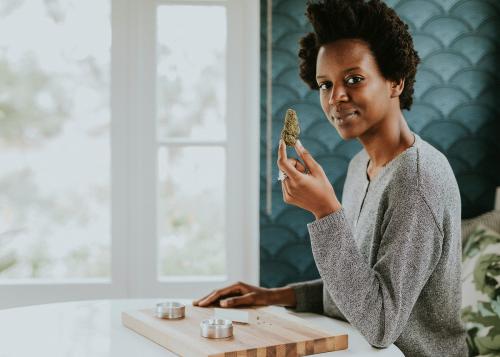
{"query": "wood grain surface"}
pixel 269 333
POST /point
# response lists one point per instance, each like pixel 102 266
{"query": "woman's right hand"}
pixel 242 294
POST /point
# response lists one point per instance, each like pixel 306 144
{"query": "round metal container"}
pixel 216 328
pixel 170 310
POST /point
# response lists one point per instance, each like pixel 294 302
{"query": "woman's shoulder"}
pixel 426 172
pixel 424 166
pixel 433 168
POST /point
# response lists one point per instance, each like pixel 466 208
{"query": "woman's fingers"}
pixel 282 162
pixel 208 296
pixel 311 164
pixel 256 298
pixel 235 295
pixel 196 302
pixel 287 165
pixel 217 294
pixel 286 191
pixel 244 300
pixel 299 166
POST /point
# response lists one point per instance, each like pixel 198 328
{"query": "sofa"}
pixel 481 283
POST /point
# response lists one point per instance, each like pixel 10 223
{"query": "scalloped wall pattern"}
pixel 455 109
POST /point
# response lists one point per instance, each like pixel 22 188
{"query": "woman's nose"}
pixel 338 94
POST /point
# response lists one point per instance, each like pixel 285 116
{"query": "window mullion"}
pixel 136 203
pixel 243 141
pixel 145 158
pixel 120 150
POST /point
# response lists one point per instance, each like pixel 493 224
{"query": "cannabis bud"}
pixel 291 129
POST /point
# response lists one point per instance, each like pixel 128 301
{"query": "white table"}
pixel 94 329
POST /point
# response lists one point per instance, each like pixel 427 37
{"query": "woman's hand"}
pixel 241 294
pixel 306 187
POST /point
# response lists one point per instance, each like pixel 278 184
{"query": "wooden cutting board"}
pixel 269 333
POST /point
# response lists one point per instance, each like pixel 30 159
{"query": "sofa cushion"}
pixel 481 290
pixel 489 219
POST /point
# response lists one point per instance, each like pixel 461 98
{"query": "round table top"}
pixel 94 328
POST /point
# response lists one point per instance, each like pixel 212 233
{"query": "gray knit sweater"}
pixel 390 259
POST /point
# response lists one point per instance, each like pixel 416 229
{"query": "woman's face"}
pixel 354 95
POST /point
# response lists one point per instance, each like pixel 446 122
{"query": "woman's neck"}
pixel 387 140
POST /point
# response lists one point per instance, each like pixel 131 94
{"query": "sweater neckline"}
pixel 416 142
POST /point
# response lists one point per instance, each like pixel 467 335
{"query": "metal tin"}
pixel 216 328
pixel 170 310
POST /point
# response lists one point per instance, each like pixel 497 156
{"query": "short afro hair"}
pixel 372 21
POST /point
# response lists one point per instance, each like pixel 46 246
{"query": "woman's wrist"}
pixel 327 211
pixel 284 296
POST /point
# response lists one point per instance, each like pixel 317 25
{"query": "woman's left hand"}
pixel 310 190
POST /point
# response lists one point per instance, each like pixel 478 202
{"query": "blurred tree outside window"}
pixel 54 139
pixel 191 108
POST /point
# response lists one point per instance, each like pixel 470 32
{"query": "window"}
pixel 191 122
pixel 131 157
pixel 55 172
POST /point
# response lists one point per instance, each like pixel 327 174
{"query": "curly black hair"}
pixel 372 21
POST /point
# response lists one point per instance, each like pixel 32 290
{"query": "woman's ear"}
pixel 397 87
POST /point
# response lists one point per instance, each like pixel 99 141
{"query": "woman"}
pixel 389 255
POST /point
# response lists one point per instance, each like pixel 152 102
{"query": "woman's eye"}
pixel 354 80
pixel 324 86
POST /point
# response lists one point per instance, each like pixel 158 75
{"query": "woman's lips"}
pixel 345 119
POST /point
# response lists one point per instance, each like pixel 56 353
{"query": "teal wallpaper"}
pixel 455 109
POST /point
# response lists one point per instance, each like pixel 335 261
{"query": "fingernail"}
pixel 299 145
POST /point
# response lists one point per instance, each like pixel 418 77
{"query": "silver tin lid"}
pixel 216 328
pixel 170 310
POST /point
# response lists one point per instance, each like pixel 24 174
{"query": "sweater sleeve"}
pixel 309 296
pixel 378 299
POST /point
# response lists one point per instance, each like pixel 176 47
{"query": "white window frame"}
pixel 134 146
